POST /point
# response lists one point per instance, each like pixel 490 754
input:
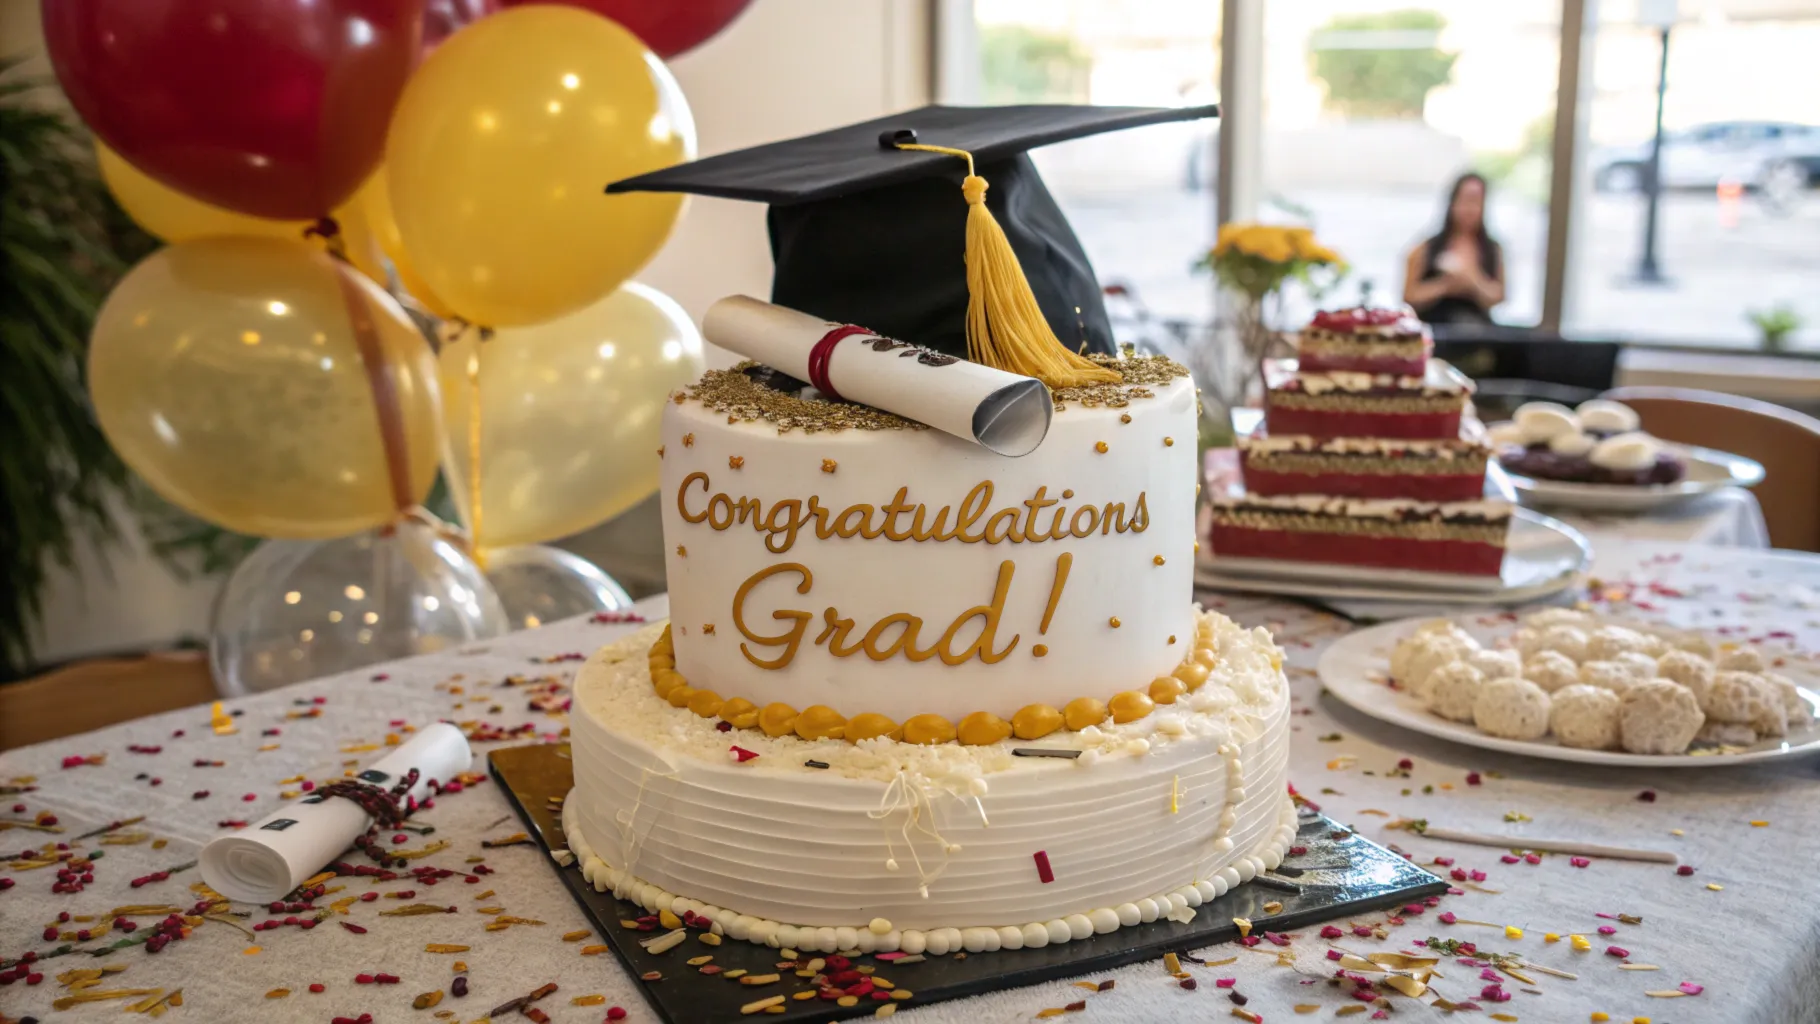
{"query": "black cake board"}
pixel 1342 874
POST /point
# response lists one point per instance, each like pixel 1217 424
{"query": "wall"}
pixel 786 67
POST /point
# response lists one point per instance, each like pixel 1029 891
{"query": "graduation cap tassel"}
pixel 1006 328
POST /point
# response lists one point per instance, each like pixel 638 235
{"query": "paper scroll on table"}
pixel 1003 412
pixel 272 856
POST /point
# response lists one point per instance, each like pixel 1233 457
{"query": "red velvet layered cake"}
pixel 1367 457
pixel 1465 537
pixel 1452 469
pixel 1347 403
pixel 1366 340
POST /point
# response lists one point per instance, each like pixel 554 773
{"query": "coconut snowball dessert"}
pixel 1688 669
pixel 1745 698
pixel 1496 663
pixel 1453 691
pixel 1551 670
pixel 1435 651
pixel 1569 640
pixel 1638 664
pixel 1740 659
pixel 1598 443
pixel 1607 642
pixel 1608 675
pixel 1514 709
pixel 1658 717
pixel 1585 717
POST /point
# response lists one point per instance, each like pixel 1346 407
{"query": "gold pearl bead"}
pixel 1129 706
pixel 1082 712
pixel 665 680
pixel 928 729
pixel 777 719
pixel 739 713
pixel 706 703
pixel 981 728
pixel 1034 721
pixel 869 726
pixel 1191 674
pixel 1165 689
pixel 679 697
pixel 820 722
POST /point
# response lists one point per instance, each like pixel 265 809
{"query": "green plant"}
pixel 1775 324
pixel 58 257
pixel 1380 65
pixel 1019 64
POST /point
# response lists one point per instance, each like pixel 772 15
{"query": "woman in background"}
pixel 1457 276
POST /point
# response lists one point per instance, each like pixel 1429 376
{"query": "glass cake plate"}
pixel 1354 670
pixel 1542 556
pixel 1332 872
pixel 1708 470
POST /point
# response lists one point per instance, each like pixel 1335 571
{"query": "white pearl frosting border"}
pixel 1178 904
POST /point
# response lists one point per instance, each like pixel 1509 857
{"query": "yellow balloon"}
pixel 174 217
pixel 228 373
pixel 375 200
pixel 360 234
pixel 570 413
pixel 500 149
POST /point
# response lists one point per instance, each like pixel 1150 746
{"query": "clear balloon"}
pixel 295 610
pixel 539 584
pixel 500 150
pixel 229 373
pixel 570 414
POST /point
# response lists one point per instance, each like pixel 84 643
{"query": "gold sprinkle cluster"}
pixel 743 399
pixel 1031 722
pixel 1138 375
pixel 829 465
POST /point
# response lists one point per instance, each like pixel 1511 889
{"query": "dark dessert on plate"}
pixel 1598 443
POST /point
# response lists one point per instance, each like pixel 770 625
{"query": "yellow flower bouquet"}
pixel 1256 259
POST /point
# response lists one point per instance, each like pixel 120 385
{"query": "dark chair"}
pixel 1785 441
pixel 1513 365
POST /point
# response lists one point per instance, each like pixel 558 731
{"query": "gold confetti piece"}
pixel 737 972
pixel 65 1002
pixel 1402 961
pixel 252 951
pixel 414 910
pixel 1759 824
pixel 1638 967
pixel 445 947
pixel 423 851
pixel 1374 812
pixel 707 938
pixel 278 993
pixel 1306 1008
pixel 697 961
pixel 759 979
pixel 1511 931
pixel 1243 925
pixel 1506 1017
pixel 668 919
pixel 1409 986
pixel 1053 1011
pixel 807 993
pixel 847 1001
pixel 1666 993
pixel 1273 907
pixel 582 933
pixel 885 1011
pixel 1171 963
pixel 489 910
pixel 1715 886
pixel 1088 985
pixel 1507 969
pixel 1676 832
pixel 515 839
pixel 489 895
pixel 1244 1014
pixel 593 1000
pixel 427 1000
pixel 1354 1009
pixel 360 748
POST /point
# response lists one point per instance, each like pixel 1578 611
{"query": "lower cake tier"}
pixel 881 845
pixel 1281 418
pixel 1465 538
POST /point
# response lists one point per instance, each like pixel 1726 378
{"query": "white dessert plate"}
pixel 1354 669
pixel 1708 470
pixel 1541 556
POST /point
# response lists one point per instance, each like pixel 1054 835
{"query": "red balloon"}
pixel 670 27
pixel 275 108
pixel 443 18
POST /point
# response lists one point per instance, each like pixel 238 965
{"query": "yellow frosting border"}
pixel 1031 722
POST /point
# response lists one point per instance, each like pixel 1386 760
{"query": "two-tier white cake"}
pixel 915 695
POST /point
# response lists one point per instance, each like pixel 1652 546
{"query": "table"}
pixel 1727 518
pixel 1751 943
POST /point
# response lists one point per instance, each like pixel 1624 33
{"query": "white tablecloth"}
pixel 1728 518
pixel 1752 944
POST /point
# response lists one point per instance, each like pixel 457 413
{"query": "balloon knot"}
pixel 974 188
pixel 325 227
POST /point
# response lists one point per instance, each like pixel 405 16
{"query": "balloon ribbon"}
pixel 383 384
pixel 479 553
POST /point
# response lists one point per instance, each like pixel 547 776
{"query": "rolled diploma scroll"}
pixel 1004 412
pixel 272 856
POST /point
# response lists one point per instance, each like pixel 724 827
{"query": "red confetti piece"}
pixel 1331 932
pixel 1691 989
pixel 1406 764
pixel 1617 951
pixel 1472 778
pixel 1648 796
pixel 1449 917
pixel 1685 869
pixel 356 929
pixel 1476 875
pixel 1579 862
pixel 1334 954
pixel 741 754
pixel 1225 982
pixel 1044 872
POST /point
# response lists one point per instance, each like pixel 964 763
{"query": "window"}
pixel 1737 220
pixel 1373 107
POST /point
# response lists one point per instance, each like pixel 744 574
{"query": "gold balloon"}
pixel 375 200
pixel 228 373
pixel 360 234
pixel 174 217
pixel 500 149
pixel 570 413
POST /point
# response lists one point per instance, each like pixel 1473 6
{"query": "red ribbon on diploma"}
pixel 823 351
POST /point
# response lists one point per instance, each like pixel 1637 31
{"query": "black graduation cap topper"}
pixel 865 229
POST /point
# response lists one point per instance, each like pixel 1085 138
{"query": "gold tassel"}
pixel 1006 328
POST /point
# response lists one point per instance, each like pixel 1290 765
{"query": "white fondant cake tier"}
pixel 1187 801
pixel 770 603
